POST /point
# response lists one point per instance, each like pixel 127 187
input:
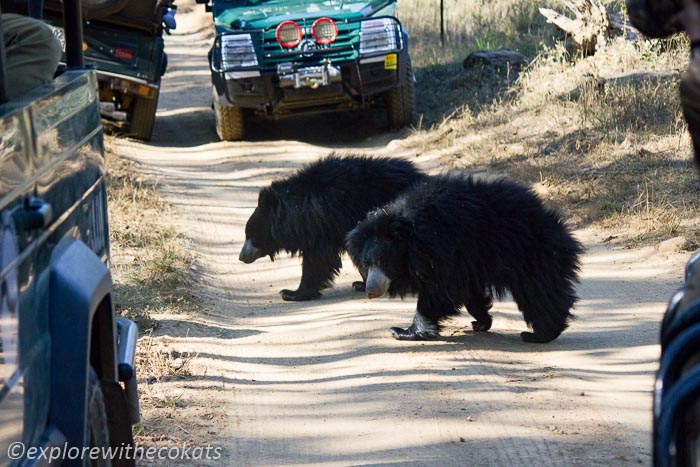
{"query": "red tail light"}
pixel 123 53
pixel 288 34
pixel 324 30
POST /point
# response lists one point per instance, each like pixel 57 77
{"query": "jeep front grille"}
pixel 343 49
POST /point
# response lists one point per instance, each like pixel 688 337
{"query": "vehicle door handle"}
pixel 37 214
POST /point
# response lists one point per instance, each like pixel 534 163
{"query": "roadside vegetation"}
pixel 151 268
pixel 601 137
pixel 150 260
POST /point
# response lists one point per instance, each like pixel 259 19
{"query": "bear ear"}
pixel 402 228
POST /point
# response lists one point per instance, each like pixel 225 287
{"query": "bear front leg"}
pixel 317 272
pixel 431 308
pixel 421 329
pixel 359 286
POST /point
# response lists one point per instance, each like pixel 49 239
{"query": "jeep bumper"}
pixel 294 89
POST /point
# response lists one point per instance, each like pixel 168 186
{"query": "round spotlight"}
pixel 324 31
pixel 288 34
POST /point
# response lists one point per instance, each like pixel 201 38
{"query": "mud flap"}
pixel 79 282
pixel 120 435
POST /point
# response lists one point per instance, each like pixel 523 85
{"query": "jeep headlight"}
pixel 379 36
pixel 237 51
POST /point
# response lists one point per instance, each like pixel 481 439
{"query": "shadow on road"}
pixel 191 127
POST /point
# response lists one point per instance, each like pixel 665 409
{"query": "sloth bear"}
pixel 459 240
pixel 311 212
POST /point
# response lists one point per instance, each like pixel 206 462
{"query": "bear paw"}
pixel 358 286
pixel 481 326
pixel 537 338
pixel 298 296
pixel 411 334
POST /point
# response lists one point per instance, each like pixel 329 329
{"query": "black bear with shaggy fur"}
pixel 311 212
pixel 459 240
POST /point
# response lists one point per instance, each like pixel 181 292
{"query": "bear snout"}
pixel 249 252
pixel 377 282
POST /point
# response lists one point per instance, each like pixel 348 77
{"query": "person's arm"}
pixel 691 23
pixel 690 80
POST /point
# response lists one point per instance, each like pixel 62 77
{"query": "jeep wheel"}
pixel 143 116
pixel 229 120
pixel 97 422
pixel 399 102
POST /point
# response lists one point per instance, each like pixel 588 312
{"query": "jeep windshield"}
pixel 258 9
pixel 324 4
pixel 250 14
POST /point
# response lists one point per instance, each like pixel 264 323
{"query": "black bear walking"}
pixel 311 212
pixel 459 240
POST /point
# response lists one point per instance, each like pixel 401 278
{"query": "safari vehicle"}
pixel 66 361
pixel 275 58
pixel 123 39
pixel 676 409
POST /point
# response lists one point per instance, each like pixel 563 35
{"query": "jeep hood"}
pixel 260 14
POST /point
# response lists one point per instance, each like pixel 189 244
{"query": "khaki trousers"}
pixel 31 53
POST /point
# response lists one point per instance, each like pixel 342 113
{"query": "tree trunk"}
pixel 591 26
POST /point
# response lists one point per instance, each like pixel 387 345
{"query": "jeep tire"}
pixel 399 101
pixel 229 120
pixel 143 116
pixel 96 422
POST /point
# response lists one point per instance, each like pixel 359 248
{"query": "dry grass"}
pixel 602 138
pixel 157 365
pixel 473 25
pixel 160 364
pixel 170 411
pixel 469 26
pixel 151 267
pixel 151 262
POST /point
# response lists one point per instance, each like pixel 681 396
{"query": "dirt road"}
pixel 323 382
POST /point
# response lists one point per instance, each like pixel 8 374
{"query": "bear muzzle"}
pixel 377 282
pixel 249 253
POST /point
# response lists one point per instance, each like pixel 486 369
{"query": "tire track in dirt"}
pixel 322 382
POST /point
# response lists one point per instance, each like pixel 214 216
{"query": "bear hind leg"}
pixel 546 312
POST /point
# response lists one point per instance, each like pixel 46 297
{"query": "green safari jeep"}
pixel 276 58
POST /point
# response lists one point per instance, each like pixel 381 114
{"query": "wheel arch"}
pixel 404 60
pixel 83 333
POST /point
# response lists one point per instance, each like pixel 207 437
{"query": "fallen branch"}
pixel 590 28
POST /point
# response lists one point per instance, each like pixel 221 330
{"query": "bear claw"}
pixel 410 334
pixel 297 296
pixel 481 326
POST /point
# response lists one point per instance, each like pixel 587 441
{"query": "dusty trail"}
pixel 322 382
